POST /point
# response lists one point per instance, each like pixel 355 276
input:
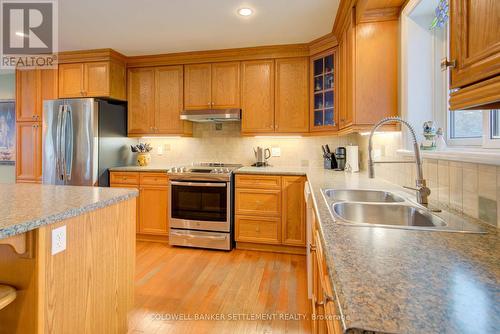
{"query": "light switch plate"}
pixel 275 152
pixel 159 150
pixel 58 239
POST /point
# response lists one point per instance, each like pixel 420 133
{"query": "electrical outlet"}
pixel 58 239
pixel 275 152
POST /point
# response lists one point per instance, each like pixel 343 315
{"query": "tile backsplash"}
pixel 227 145
pixel 469 188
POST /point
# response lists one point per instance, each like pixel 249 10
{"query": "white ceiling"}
pixel 138 27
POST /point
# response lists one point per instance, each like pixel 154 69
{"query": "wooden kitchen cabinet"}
pixel 226 85
pixel 475 49
pixel 258 202
pixel 32 88
pixel 270 210
pixel 368 85
pixel 141 105
pixel 168 100
pixel 293 211
pixel 474 41
pixel 29 152
pixel 152 210
pixel 212 86
pixel 257 229
pixel 257 96
pixel 197 86
pixel 292 95
pixel 155 101
pixel 323 107
pixel 93 79
pixel 325 317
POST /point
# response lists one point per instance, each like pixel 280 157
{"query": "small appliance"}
pixel 352 159
pixel 261 156
pixel 340 156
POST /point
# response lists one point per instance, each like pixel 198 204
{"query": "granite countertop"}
pixel 273 170
pixel 404 281
pixel 25 207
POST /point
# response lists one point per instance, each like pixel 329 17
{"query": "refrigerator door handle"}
pixel 63 144
pixel 59 170
pixel 68 146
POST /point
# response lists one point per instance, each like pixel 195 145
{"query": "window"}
pixel 466 124
pixel 425 88
pixel 495 124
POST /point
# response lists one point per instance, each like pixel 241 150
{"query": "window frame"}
pixel 488 141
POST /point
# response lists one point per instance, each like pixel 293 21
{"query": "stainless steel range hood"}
pixel 212 115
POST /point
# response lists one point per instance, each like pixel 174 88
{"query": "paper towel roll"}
pixel 352 159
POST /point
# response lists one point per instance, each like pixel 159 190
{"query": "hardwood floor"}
pixel 188 283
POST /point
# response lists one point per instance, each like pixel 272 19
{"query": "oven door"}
pixel 200 205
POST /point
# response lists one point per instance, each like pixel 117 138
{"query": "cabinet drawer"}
pixel 258 181
pixel 155 179
pixel 124 178
pixel 258 229
pixel 258 202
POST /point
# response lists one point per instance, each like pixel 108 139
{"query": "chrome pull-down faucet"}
pixel 422 192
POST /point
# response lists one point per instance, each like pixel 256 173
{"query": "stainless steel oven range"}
pixel 201 205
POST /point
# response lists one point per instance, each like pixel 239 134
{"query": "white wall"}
pixel 7 92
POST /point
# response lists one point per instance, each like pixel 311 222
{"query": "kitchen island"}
pixel 69 252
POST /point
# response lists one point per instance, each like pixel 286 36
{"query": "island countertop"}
pixel 25 207
pixel 404 281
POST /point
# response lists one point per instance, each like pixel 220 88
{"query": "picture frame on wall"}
pixel 7 133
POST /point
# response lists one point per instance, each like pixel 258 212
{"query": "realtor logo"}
pixel 29 33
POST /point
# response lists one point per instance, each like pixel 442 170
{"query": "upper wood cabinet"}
pixel 168 99
pixel 197 86
pixel 257 96
pixel 32 88
pixel 212 86
pixel 226 85
pixel 474 41
pixel 323 110
pixel 475 49
pixel 292 95
pixel 367 73
pixel 92 79
pixel 141 105
pixel 155 101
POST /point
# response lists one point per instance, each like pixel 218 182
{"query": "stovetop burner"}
pixel 202 171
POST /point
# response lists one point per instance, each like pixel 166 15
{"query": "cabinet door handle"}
pixel 445 63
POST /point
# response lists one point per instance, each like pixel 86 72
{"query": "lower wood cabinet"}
pixel 152 212
pixel 270 210
pixel 324 313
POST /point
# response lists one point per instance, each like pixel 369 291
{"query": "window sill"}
pixel 478 156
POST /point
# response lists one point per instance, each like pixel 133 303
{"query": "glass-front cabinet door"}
pixel 323 77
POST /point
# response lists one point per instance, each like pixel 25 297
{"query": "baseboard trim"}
pixel 152 238
pixel 297 250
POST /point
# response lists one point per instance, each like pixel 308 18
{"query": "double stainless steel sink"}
pixel 385 209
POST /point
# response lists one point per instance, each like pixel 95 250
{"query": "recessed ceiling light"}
pixel 245 11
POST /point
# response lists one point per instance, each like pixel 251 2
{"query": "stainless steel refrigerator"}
pixel 81 139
